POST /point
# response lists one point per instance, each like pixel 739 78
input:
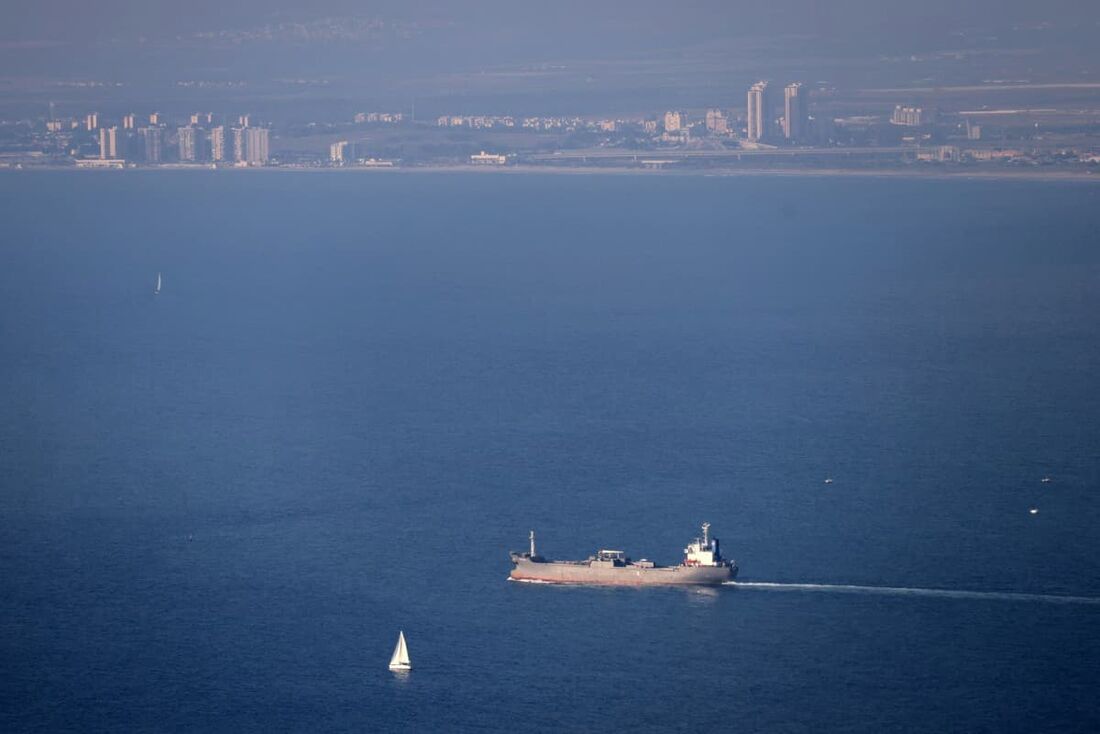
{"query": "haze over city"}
pixel 596 83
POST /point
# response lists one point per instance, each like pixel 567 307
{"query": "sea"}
pixel 355 393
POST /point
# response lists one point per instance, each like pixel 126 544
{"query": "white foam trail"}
pixel 909 591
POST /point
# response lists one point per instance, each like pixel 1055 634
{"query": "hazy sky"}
pixel 24 20
pixel 518 55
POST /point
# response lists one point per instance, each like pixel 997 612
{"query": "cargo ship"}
pixel 702 565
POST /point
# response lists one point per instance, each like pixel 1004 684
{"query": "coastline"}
pixel 522 169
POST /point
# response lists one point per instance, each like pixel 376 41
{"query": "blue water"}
pixel 356 393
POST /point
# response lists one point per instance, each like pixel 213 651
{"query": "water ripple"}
pixel 913 591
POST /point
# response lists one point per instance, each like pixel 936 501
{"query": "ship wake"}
pixel 911 591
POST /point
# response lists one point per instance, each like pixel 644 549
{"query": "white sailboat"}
pixel 156 291
pixel 400 659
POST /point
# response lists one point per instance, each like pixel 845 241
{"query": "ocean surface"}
pixel 356 393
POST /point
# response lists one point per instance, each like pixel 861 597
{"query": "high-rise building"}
pixel 244 120
pixel 238 144
pixel 152 140
pixel 217 143
pixel 188 143
pixel 109 143
pixel 759 112
pixel 154 118
pixel 794 111
pixel 196 118
pixel 128 121
pixel 675 121
pixel 256 145
pixel 338 152
pixel 717 122
pixel 91 121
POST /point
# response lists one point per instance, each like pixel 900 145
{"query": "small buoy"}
pixel 828 480
pixel 1034 510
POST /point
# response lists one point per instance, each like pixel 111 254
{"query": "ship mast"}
pixel 532 537
pixel 706 539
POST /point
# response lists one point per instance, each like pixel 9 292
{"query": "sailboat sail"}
pixel 400 658
pixel 157 289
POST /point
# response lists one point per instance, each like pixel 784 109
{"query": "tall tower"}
pixel 151 138
pixel 794 111
pixel 217 143
pixel 238 144
pixel 256 145
pixel 759 110
pixel 188 143
pixel 338 151
pixel 108 142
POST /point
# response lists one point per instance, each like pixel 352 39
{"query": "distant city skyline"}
pixel 810 124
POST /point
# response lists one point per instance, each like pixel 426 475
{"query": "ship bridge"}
pixel 609 559
pixel 704 551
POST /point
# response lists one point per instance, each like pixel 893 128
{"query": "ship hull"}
pixel 551 572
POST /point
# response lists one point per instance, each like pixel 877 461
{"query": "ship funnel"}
pixel 532 537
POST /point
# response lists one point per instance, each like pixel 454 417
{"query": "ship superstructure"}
pixel 702 565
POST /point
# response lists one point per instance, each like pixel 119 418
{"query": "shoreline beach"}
pixel 520 169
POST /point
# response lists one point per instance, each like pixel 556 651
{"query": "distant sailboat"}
pixel 400 659
pixel 156 291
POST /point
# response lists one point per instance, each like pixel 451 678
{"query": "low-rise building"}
pixel 488 159
pixel 675 121
pixel 988 154
pixel 939 154
pixel 717 123
pixel 911 116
